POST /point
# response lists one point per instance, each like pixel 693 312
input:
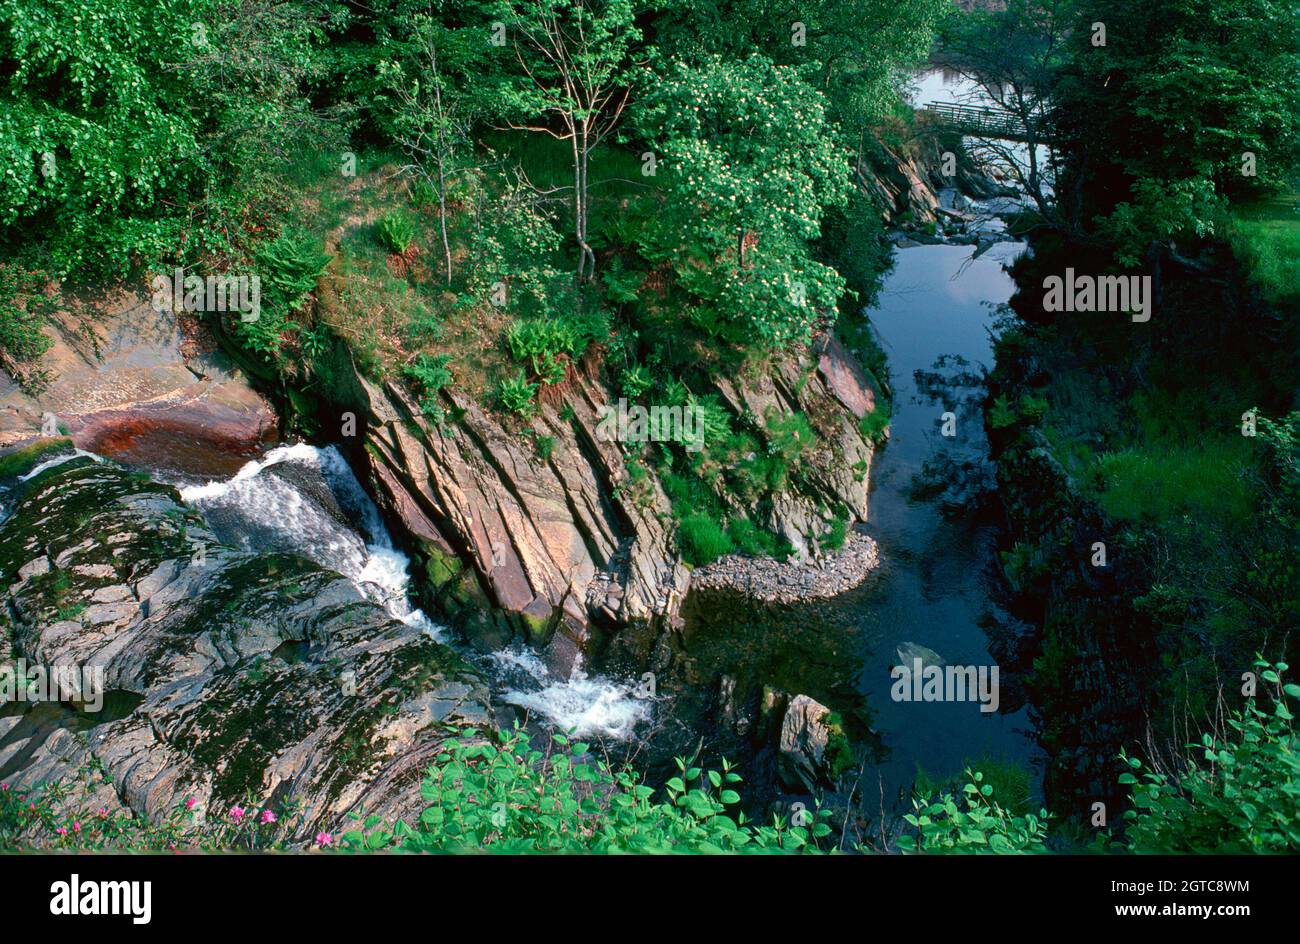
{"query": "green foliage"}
pixel 1161 211
pixel 1205 480
pixel 790 436
pixel 1265 235
pixel 854 49
pixel 750 539
pixel 702 539
pixel 25 309
pixel 1173 102
pixel 539 342
pixel 517 393
pixel 45 818
pixel 504 795
pixel 288 267
pixel 636 380
pixel 429 375
pixel 744 206
pixel 512 241
pixel 132 129
pixel 973 821
pixel 544 447
pixel 835 535
pixel 1241 796
pixel 396 231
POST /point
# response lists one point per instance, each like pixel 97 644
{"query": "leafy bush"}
pixel 636 380
pixel 24 310
pixel 1244 795
pixel 505 795
pixel 288 267
pixel 975 822
pixel 539 342
pixel 396 231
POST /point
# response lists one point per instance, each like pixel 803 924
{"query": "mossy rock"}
pixel 19 461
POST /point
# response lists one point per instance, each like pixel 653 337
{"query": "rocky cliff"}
pixel 561 550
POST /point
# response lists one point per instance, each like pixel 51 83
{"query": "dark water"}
pixel 929 513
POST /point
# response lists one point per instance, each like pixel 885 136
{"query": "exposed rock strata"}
pixel 564 547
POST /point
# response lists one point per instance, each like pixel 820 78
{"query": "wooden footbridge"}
pixel 986 121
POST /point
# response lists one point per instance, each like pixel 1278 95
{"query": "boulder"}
pixel 124 379
pixel 804 740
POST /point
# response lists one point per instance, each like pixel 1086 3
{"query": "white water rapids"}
pixel 306 500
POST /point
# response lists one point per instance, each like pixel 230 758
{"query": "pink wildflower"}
pixel 324 839
pixel 267 817
pixel 237 814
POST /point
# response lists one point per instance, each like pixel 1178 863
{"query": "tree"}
pixel 850 50
pixel 1015 54
pixel 138 130
pixel 94 128
pixel 1180 89
pixel 751 163
pixel 429 117
pixel 749 149
pixel 577 57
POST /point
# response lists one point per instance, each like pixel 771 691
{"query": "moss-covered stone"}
pixel 20 460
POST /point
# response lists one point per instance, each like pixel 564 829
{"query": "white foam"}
pixel 59 460
pixel 273 504
pixel 299 452
pixel 580 704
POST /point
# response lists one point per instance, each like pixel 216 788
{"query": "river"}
pixel 935 590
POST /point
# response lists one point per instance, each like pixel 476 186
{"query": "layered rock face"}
pixel 558 544
pixel 565 549
pixel 227 673
pixel 126 379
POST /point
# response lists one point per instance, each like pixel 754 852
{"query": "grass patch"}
pixel 1266 237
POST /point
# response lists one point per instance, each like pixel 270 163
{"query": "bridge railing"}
pixel 981 119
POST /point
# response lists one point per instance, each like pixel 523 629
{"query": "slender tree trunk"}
pixel 577 202
pixel 442 216
pixel 582 151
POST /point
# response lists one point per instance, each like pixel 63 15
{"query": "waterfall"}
pixel 306 500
